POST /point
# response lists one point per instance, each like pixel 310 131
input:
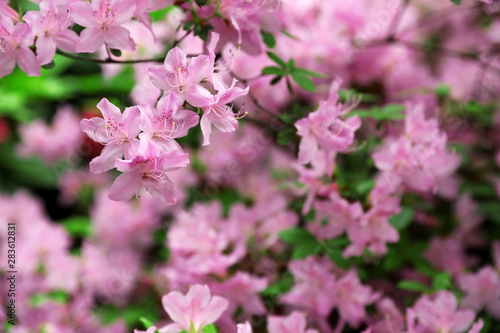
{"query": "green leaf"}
pixel 296 236
pixel 49 65
pixel 147 323
pixel 388 112
pixel 160 15
pixel 442 90
pixel 201 3
pixel 441 281
pixel 306 249
pixel 285 136
pixel 116 52
pixel 337 258
pixel 275 80
pixel 57 296
pixel 25 171
pixel 303 81
pixel 291 65
pixel 276 59
pixel 402 220
pixel 210 329
pixel 414 286
pixel 269 39
pixel 273 71
pixel 310 73
pixel 457 2
pixel 490 209
pixel 78 226
pixel 281 286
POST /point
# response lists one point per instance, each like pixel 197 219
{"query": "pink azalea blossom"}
pixel 372 231
pixel 314 287
pixel 482 290
pixel 219 113
pixel 116 131
pixel 324 129
pixel 242 290
pixel 351 298
pixel 9 12
pixel 147 169
pixel 293 323
pixel 143 8
pixel 195 310
pixel 58 141
pixel 15 41
pixel 102 20
pixel 440 313
pixel 183 76
pixel 333 216
pixel 166 122
pixel 51 25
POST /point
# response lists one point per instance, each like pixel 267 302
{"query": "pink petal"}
pixel 307 149
pixel 109 110
pixel 81 13
pixel 119 38
pixel 66 40
pixel 26 60
pixel 125 186
pixel 175 57
pixel 7 63
pixel 90 40
pixel 206 129
pixel 162 190
pixel 131 122
pixel 175 159
pixel 198 96
pixel 45 49
pixel 106 161
pixel 212 311
pixel 157 75
pixel 176 306
pixel 124 11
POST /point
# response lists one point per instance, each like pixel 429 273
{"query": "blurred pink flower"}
pixel 195 310
pixel 293 323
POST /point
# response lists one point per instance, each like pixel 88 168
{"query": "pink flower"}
pixel 372 231
pixel 242 328
pixel 242 290
pixel 143 8
pixel 201 241
pixel 323 128
pixel 391 319
pixel 220 114
pixel 116 131
pixel 195 310
pixel 166 121
pixel 51 25
pixel 293 323
pixel 351 298
pixel 314 285
pixel 55 142
pixel 482 290
pixel 333 216
pixel 439 313
pixel 9 12
pixel 147 168
pixel 14 46
pixel 183 76
pixel 103 20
